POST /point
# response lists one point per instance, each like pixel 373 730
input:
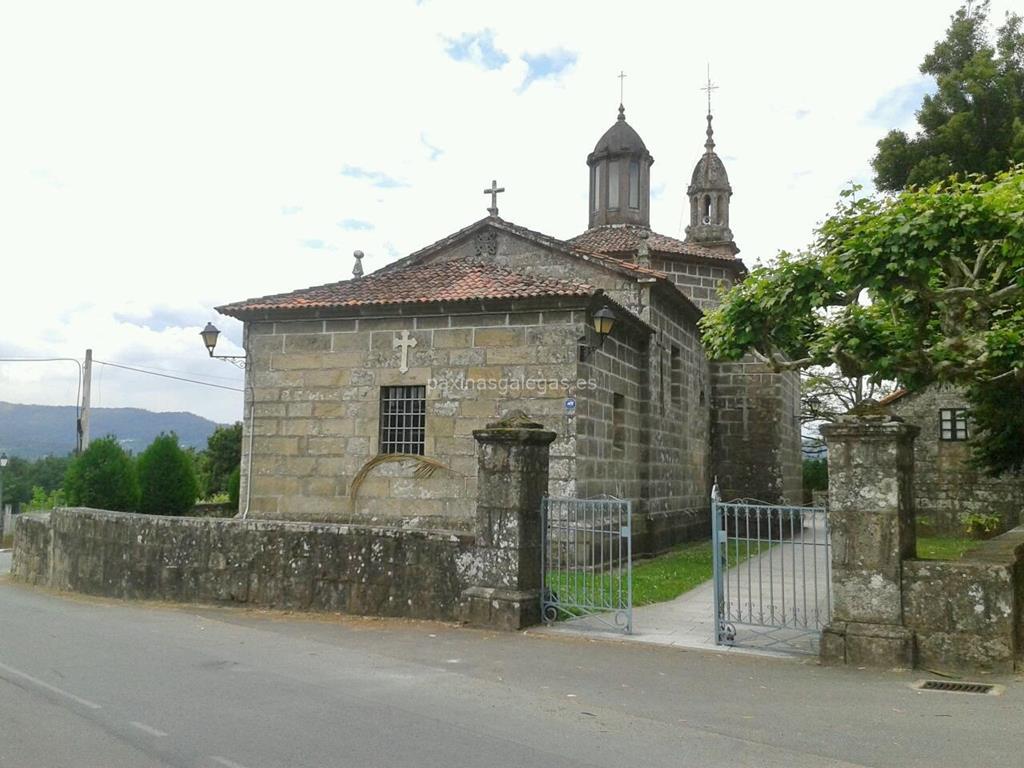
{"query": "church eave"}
pixel 412 308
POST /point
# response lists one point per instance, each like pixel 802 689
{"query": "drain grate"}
pixel 948 686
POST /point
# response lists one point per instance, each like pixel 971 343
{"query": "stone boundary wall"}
pixel 490 578
pixel 969 613
pixel 287 565
pixel 891 609
pixel 31 558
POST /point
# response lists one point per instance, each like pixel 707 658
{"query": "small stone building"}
pixel 409 360
pixel 948 489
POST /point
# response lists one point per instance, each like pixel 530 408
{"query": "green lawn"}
pixel 655 580
pixel 670 575
pixel 943 548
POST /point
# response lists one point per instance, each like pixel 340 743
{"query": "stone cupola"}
pixel 709 193
pixel 620 177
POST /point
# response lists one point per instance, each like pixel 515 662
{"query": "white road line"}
pixel 48 687
pixel 147 728
pixel 225 762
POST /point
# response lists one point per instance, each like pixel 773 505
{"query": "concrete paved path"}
pixel 105 684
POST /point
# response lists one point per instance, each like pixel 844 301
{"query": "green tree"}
pixel 234 486
pixel 41 499
pixel 102 476
pixel 223 456
pixel 815 477
pixel 17 481
pixel 974 122
pixel 926 285
pixel 167 479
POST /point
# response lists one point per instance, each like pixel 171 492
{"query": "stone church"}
pixel 362 395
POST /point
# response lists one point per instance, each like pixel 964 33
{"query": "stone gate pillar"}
pixel 512 478
pixel 871 517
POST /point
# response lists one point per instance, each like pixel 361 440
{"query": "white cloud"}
pixel 159 160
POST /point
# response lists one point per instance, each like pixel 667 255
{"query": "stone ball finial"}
pixel 357 270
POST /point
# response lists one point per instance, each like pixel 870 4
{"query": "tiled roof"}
pixel 622 239
pixel 415 284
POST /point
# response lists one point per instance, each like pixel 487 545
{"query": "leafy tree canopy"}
pixel 926 285
pixel 974 122
pixel 102 476
pixel 223 455
pixel 167 479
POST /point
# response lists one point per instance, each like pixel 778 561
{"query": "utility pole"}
pixel 83 421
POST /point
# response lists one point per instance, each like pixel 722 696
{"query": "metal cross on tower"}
pixel 709 88
pixel 622 82
pixel 493 192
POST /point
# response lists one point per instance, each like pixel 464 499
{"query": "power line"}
pixel 153 369
pixel 78 393
pixel 168 376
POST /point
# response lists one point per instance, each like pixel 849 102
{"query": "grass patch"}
pixel 656 580
pixel 668 576
pixel 943 547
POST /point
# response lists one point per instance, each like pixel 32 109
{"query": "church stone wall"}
pixel 678 463
pixel 947 488
pixel 316 385
pixel 699 282
pixel 661 461
pixel 756 444
pixel 756 432
pixel 609 445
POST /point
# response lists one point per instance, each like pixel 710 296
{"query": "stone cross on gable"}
pixel 405 343
pixel 493 192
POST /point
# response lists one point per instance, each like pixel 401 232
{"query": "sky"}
pixel 160 159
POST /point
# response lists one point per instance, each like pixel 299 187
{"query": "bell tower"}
pixel 620 177
pixel 709 193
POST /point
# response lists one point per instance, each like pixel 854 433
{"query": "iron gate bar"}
pixel 586 560
pixel 802 606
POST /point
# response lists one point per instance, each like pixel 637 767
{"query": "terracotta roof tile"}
pixel 624 239
pixel 417 283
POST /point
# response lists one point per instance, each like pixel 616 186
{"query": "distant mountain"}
pixel 31 431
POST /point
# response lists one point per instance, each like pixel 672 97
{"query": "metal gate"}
pixel 772 574
pixel 587 561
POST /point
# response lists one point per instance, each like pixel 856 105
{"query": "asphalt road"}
pixel 100 683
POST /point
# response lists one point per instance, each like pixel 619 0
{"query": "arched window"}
pixel 597 187
pixel 707 209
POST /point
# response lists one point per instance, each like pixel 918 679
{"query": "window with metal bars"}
pixel 952 423
pixel 403 416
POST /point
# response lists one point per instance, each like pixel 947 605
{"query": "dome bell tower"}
pixel 620 177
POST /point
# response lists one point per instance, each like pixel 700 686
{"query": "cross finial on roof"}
pixel 622 89
pixel 493 192
pixel 709 88
pixel 709 145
